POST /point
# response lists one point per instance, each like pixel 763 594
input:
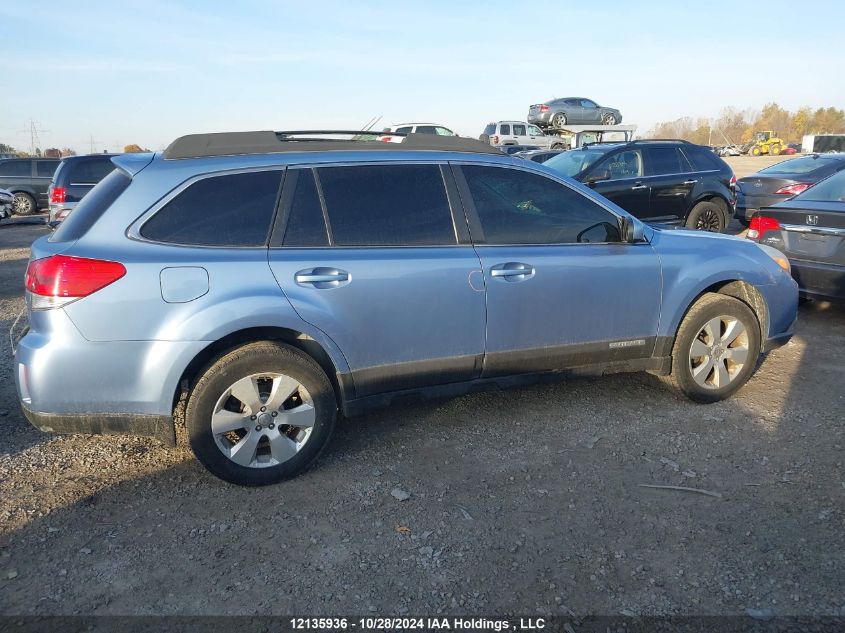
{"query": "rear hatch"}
pixel 811 231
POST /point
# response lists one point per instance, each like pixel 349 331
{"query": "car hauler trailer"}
pixel 822 143
pixel 576 135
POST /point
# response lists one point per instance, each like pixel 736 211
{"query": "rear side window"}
pixel 517 207
pixel 702 159
pixel 504 128
pixel 519 130
pixel 16 168
pixel 405 130
pixel 45 168
pixel 387 205
pixel 227 210
pixel 665 160
pixel 91 207
pixel 87 172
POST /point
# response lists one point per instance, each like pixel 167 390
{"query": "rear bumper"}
pixel 540 119
pixel 68 384
pixel 749 204
pixel 159 426
pixel 818 280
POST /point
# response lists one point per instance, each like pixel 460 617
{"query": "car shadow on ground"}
pixel 520 501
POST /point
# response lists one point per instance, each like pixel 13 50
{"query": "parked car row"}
pixel 53 184
pixel 508 271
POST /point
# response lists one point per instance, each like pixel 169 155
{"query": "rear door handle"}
pixel 639 186
pixel 512 271
pixel 322 277
pixel 690 182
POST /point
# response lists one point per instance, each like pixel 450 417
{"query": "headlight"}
pixel 775 254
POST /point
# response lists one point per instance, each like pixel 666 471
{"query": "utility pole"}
pixel 33 129
pixel 92 144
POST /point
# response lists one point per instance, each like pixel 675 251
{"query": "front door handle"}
pixel 322 277
pixel 690 182
pixel 639 186
pixel 512 271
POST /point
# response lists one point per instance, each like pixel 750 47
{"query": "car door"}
pixel 574 111
pixel 43 171
pixel 620 177
pixel 371 255
pixel 506 136
pixel 670 182
pixel 563 290
pixel 591 111
pixel 520 133
pixel 536 137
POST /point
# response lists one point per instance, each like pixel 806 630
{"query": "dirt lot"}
pixel 525 502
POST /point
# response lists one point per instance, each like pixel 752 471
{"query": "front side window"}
pixel 387 205
pixel 518 207
pixel 586 103
pixel 442 131
pixel 228 210
pixel 628 164
pixel 665 160
pixel 16 168
pixel 533 130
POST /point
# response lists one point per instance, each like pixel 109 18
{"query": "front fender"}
pixel 692 262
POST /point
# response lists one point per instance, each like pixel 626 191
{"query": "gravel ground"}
pixel 528 501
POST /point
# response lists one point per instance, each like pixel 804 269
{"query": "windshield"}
pixel 574 162
pixel 803 165
pixel 830 190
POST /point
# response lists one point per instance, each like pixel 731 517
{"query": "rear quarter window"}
pixel 92 207
pixel 229 210
pixel 490 129
pixel 703 159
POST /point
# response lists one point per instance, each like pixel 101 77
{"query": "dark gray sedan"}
pixel 782 181
pixel 810 230
pixel 558 113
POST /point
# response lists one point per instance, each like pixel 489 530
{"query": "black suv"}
pixel 76 176
pixel 27 179
pixel 672 182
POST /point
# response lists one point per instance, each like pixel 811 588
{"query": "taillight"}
pixel 57 195
pixel 794 190
pixel 733 182
pixel 495 139
pixel 544 108
pixel 57 280
pixel 759 225
pixel 386 139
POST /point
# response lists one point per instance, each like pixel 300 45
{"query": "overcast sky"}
pixel 148 71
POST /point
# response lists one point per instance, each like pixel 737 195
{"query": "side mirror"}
pixel 632 231
pixel 598 176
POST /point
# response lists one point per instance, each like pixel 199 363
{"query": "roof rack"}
pixel 638 141
pixel 269 142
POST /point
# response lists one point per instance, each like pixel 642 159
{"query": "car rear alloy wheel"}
pixel 261 413
pixel 609 119
pixel 263 420
pixel 24 204
pixel 716 348
pixel 706 216
pixel 718 352
pixel 559 120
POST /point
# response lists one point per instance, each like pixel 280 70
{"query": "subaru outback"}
pixel 265 282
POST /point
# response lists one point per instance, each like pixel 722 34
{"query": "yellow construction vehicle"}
pixel 766 142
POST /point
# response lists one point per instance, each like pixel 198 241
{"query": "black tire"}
pixel 558 120
pixel 257 358
pixel 609 119
pixel 706 216
pixel 710 307
pixel 558 146
pixel 24 204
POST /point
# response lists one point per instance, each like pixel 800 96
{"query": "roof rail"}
pixel 269 142
pixel 638 141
